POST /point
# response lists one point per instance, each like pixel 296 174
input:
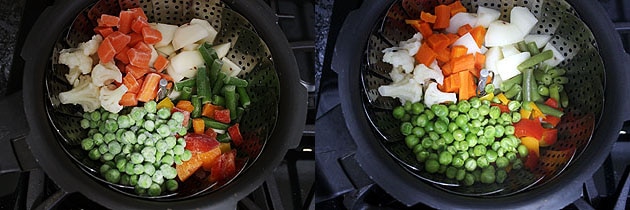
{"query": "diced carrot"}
pixel 126 17
pixel 106 51
pixel 464 29
pixel 457 7
pixel 160 63
pixel 475 72
pixel 425 55
pixel 427 17
pixel 467 85
pixel 480 61
pixel 165 76
pixel 139 58
pixel 188 168
pixel 443 16
pixel 104 31
pixel 185 105
pixel 452 37
pixel 138 24
pixel 149 87
pixel 119 40
pixel 151 36
pixel 458 51
pixel 438 41
pixel 423 27
pixel 447 68
pixel 443 55
pixel 451 84
pixel 109 20
pixel 479 35
pixel 137 72
pixel 463 63
pixel 122 55
pixel 208 110
pixel 198 126
pixel 138 12
pixel 142 47
pixel 135 38
pixel 121 66
pixel 128 99
pixel 132 84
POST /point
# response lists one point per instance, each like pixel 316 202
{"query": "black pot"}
pixel 41 139
pixel 407 188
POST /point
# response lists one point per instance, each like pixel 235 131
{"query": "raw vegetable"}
pixel 84 93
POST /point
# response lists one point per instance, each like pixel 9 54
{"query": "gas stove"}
pixel 344 185
pixel 292 183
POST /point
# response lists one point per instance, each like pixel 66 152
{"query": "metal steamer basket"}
pixel 587 118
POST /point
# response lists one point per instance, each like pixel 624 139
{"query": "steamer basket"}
pixel 248 51
pixel 585 71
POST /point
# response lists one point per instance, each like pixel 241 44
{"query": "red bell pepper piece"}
pixel 200 142
pixel 186 115
pixel 549 137
pixel 531 162
pixel 224 167
pixel 222 115
pixel 235 134
pixel 503 108
pixel 552 120
pixel 527 127
pixel 552 103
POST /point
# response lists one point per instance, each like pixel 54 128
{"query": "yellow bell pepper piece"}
pixel 532 144
pixel 525 114
pixel 225 147
pixel 504 100
pixel 487 97
pixel 166 102
pixel 536 113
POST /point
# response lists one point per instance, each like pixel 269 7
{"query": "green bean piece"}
pixel 547 110
pixel 431 166
pixel 190 83
pixel 536 59
pixel 564 99
pixel 522 46
pixel 215 69
pixel 196 103
pixel 229 91
pixel 561 80
pixel 533 48
pixel 513 91
pixel 508 84
pixel 527 84
pixel 238 82
pixel 218 85
pixel 208 53
pixel 556 72
pixel 543 90
pixel 220 100
pixel 185 93
pixel 244 99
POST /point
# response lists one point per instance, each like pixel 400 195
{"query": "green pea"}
pixel 507 117
pixel 171 185
pixel 405 128
pixel 469 179
pixel 94 154
pixel 518 164
pixel 451 149
pixel 482 162
pixel 440 127
pixel 492 156
pixel 489 131
pixel 482 140
pixel 87 144
pixel 422 120
pixel 431 166
pixel 473 114
pixel 470 164
pixel 422 156
pixel 440 110
pixel 112 175
pixel 499 130
pixel 429 113
pixel 411 141
pixel 452 127
pixel 495 112
pixel 429 127
pixel 462 120
pixel 522 150
pixel 418 131
pixel 479 150
pixel 474 102
pixel 514 106
pixel 445 158
pixel 511 156
pixel 434 136
pixel 516 117
pixel 451 172
pixel 407 106
pixel 426 142
pixel 418 148
pixel 398 112
pixel 459 135
pixel 417 108
pixel 406 118
pixel 463 106
pixel 501 176
pixel 471 139
pixel 453 114
pixel 475 123
pixel 509 130
pixel 448 138
pixel 484 110
pixel 461 173
pixel 457 162
pixel 487 177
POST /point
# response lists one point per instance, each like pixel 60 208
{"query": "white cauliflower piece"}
pixel 85 94
pixel 405 90
pixel 412 45
pixel 77 62
pixel 435 96
pixel 399 57
pixel 424 74
pixel 90 47
pixel 105 74
pixel 397 74
pixel 109 99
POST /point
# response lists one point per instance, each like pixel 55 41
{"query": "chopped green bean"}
pixel 536 59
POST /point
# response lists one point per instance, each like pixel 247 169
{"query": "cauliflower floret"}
pixel 423 74
pixel 109 98
pixel 399 57
pixel 90 47
pixel 412 45
pixel 405 90
pixel 435 96
pixel 397 74
pixel 77 62
pixel 85 94
pixel 105 74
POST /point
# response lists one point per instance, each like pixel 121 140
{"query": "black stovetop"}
pixel 341 181
pixel 292 183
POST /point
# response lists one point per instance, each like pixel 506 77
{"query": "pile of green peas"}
pixel 471 141
pixel 137 149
